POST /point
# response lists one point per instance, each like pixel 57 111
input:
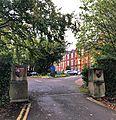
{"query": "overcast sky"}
pixel 68 6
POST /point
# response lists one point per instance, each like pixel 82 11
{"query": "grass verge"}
pixel 84 89
pixel 48 76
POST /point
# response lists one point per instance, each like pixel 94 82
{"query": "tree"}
pixel 97 31
pixel 25 23
pixel 47 54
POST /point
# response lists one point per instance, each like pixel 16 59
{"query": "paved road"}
pixel 60 99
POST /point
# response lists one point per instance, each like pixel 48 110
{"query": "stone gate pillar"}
pixel 18 85
pixel 96 82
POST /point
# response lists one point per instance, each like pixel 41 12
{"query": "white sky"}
pixel 68 6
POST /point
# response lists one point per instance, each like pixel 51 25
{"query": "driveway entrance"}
pixel 60 99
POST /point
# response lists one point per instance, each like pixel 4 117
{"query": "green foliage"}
pixel 85 74
pixel 97 31
pixel 109 67
pixel 84 89
pixel 25 23
pixel 5 76
pixel 97 36
pixel 47 54
pixel 68 68
pixel 61 75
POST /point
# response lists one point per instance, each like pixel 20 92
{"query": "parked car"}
pixel 71 72
pixel 66 72
pixel 79 73
pixel 32 73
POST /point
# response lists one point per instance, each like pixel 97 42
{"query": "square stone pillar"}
pixel 18 85
pixel 96 83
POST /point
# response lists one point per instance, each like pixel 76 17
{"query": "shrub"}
pixel 109 67
pixel 5 76
pixel 68 68
pixel 85 74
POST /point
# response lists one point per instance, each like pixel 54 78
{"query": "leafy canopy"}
pixel 25 23
pixel 98 28
pixel 48 53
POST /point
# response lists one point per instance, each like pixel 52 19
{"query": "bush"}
pixel 85 74
pixel 109 67
pixel 5 76
pixel 68 68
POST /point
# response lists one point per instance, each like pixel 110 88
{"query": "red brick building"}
pixel 75 61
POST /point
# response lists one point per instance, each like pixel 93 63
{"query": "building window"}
pixel 71 55
pixel 63 57
pixel 73 62
pixel 67 63
pixel 67 56
pixel 74 55
pixel 79 61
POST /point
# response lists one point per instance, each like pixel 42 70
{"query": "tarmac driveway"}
pixel 60 99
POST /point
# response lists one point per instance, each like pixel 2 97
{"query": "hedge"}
pixel 85 74
pixel 109 67
pixel 5 76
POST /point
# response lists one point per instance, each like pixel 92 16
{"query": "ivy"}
pixel 109 67
pixel 5 76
